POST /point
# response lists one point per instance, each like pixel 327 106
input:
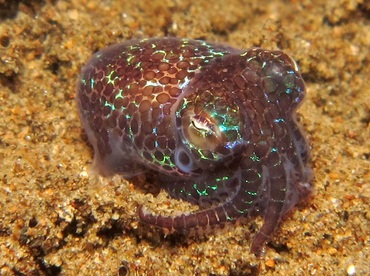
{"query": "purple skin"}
pixel 218 125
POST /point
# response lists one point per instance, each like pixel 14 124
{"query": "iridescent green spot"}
pixel 134 47
pixel 279 120
pixel 159 52
pixel 228 218
pixel 251 193
pixel 250 202
pixel 153 83
pixel 166 160
pixel 129 59
pixel 111 77
pixel 214 188
pixel 204 192
pixel 119 94
pixel 210 155
pixel 254 157
pixel 110 105
pixel 216 54
pixel 92 83
pixel 219 179
pixel 138 65
pixel 185 192
pixel 200 192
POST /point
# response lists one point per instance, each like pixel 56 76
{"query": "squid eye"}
pixel 204 126
pixel 210 131
pixel 203 132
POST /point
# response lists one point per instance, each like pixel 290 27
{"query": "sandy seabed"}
pixel 56 218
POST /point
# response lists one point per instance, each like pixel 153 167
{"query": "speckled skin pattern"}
pixel 218 125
